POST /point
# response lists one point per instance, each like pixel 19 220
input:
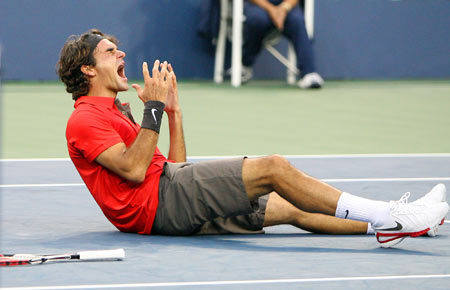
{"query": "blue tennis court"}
pixel 46 209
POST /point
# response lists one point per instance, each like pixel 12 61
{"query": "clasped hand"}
pixel 278 15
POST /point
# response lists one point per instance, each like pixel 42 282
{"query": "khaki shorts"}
pixel 206 198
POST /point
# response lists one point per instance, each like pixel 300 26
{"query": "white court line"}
pixel 324 156
pixel 41 185
pixel 237 282
pixel 331 180
pixel 33 159
pixel 328 180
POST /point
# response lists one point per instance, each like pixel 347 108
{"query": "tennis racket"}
pixel 29 259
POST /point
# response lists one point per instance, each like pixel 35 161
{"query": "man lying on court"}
pixel 141 191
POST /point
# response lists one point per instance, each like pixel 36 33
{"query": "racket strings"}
pixel 24 256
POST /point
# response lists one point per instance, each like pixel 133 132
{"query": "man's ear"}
pixel 88 70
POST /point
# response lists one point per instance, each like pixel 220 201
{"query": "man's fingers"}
pixel 170 67
pixel 164 71
pixel 155 71
pixel 156 84
pixel 173 79
pixel 139 90
pixel 145 71
pixel 164 65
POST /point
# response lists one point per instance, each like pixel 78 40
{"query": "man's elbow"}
pixel 137 179
pixel 136 176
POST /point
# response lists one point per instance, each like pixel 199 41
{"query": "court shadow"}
pixel 281 242
pixel 277 243
pixel 269 242
pixel 108 239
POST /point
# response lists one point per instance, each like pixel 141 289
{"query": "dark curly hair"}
pixel 78 51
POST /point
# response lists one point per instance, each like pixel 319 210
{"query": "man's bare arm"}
pixel 131 163
pixel 177 150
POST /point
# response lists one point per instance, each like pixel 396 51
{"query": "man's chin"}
pixel 124 88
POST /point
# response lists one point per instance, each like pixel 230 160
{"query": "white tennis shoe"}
pixel 437 194
pixel 311 81
pixel 410 220
pixel 246 74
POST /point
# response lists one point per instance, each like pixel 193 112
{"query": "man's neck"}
pixel 102 93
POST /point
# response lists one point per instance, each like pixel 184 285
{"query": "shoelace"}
pixel 404 198
pixel 400 205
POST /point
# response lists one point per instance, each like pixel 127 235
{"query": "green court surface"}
pixel 262 117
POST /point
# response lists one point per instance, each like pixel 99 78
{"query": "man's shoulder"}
pixel 84 117
pixel 88 107
pixel 87 111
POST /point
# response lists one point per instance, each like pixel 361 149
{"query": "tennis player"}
pixel 140 190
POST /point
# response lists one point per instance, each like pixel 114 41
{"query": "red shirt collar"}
pixel 99 101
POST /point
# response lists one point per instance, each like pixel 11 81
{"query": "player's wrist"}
pixel 153 113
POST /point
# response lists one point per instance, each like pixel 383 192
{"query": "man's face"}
pixel 109 68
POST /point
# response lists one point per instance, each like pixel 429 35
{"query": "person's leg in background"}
pixel 257 25
pixel 295 31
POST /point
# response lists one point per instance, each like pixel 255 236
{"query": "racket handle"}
pixel 117 254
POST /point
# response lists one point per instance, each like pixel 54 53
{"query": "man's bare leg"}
pixel 392 221
pixel 280 211
pixel 275 173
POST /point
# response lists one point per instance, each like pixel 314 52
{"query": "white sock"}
pixel 362 209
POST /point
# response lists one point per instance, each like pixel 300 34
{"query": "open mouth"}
pixel 121 71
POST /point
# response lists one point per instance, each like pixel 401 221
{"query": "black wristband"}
pixel 153 113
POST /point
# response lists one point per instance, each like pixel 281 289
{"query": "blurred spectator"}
pixel 262 16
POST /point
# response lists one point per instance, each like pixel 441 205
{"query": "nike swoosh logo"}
pixel 397 228
pixel 346 213
pixel 154 117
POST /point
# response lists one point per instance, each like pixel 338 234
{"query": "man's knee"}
pixel 259 174
pixel 275 165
